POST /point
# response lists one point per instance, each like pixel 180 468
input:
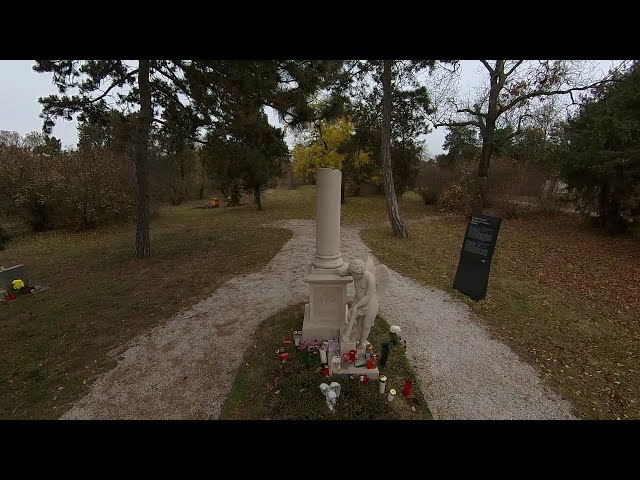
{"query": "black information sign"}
pixel 479 243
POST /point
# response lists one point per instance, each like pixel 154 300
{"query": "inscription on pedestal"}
pixel 327 302
pixel 325 312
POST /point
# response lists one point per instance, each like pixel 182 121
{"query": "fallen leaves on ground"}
pixel 560 293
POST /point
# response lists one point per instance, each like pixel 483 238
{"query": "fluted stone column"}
pixel 327 308
pixel 328 183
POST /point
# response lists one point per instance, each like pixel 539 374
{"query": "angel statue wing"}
pixel 369 263
pixel 325 388
pixel 381 273
pixel 336 388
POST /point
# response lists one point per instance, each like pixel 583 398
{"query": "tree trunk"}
pixel 143 244
pixel 480 185
pixel 398 226
pixel 291 177
pixel 609 212
pixel 256 197
pixel 342 181
pixel 183 184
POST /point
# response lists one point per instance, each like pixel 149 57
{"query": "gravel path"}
pixel 184 369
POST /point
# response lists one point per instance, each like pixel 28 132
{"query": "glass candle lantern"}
pixel 392 395
pixel 382 384
pixel 407 388
pixel 323 354
pixel 336 361
pixel 346 358
pixel 368 352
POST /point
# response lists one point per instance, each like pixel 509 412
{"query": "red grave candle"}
pixel 345 358
pixel 407 388
pixel 370 363
pixel 352 355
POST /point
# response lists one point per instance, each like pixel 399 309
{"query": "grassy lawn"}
pixel 359 211
pixel 265 388
pixel 563 296
pixel 54 344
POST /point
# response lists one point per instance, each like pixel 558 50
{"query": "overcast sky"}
pixel 20 88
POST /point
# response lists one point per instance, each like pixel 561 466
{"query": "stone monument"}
pixel 327 316
pixel 326 311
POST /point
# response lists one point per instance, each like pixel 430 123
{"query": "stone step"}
pixel 372 373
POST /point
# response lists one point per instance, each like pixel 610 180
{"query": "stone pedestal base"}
pixel 326 312
pixel 372 373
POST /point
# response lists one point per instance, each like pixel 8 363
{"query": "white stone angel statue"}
pixel 331 393
pixel 370 284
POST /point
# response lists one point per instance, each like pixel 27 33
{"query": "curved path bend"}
pixel 184 368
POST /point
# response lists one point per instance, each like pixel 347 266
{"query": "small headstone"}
pixel 8 275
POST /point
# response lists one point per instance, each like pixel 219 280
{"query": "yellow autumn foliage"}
pixel 321 150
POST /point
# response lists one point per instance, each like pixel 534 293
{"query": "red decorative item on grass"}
pixel 10 296
pixel 286 342
pixel 284 355
pixel 325 370
pixel 364 379
pixel 407 388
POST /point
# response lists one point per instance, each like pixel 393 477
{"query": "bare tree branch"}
pixel 459 124
pixel 513 69
pixel 472 112
pixel 488 67
pixel 546 93
pixel 519 128
pixel 111 87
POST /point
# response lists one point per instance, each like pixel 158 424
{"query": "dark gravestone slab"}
pixel 10 274
pixel 472 276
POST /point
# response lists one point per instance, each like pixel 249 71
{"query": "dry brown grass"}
pixel 563 296
pixel 54 344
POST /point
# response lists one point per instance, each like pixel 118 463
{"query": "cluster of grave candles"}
pixel 370 361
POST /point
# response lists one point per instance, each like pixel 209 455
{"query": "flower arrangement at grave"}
pixel 18 285
pixel 394 335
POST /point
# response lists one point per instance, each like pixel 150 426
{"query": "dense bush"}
pixel 510 178
pixel 508 185
pixel 456 195
pixel 76 190
pixel 431 180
